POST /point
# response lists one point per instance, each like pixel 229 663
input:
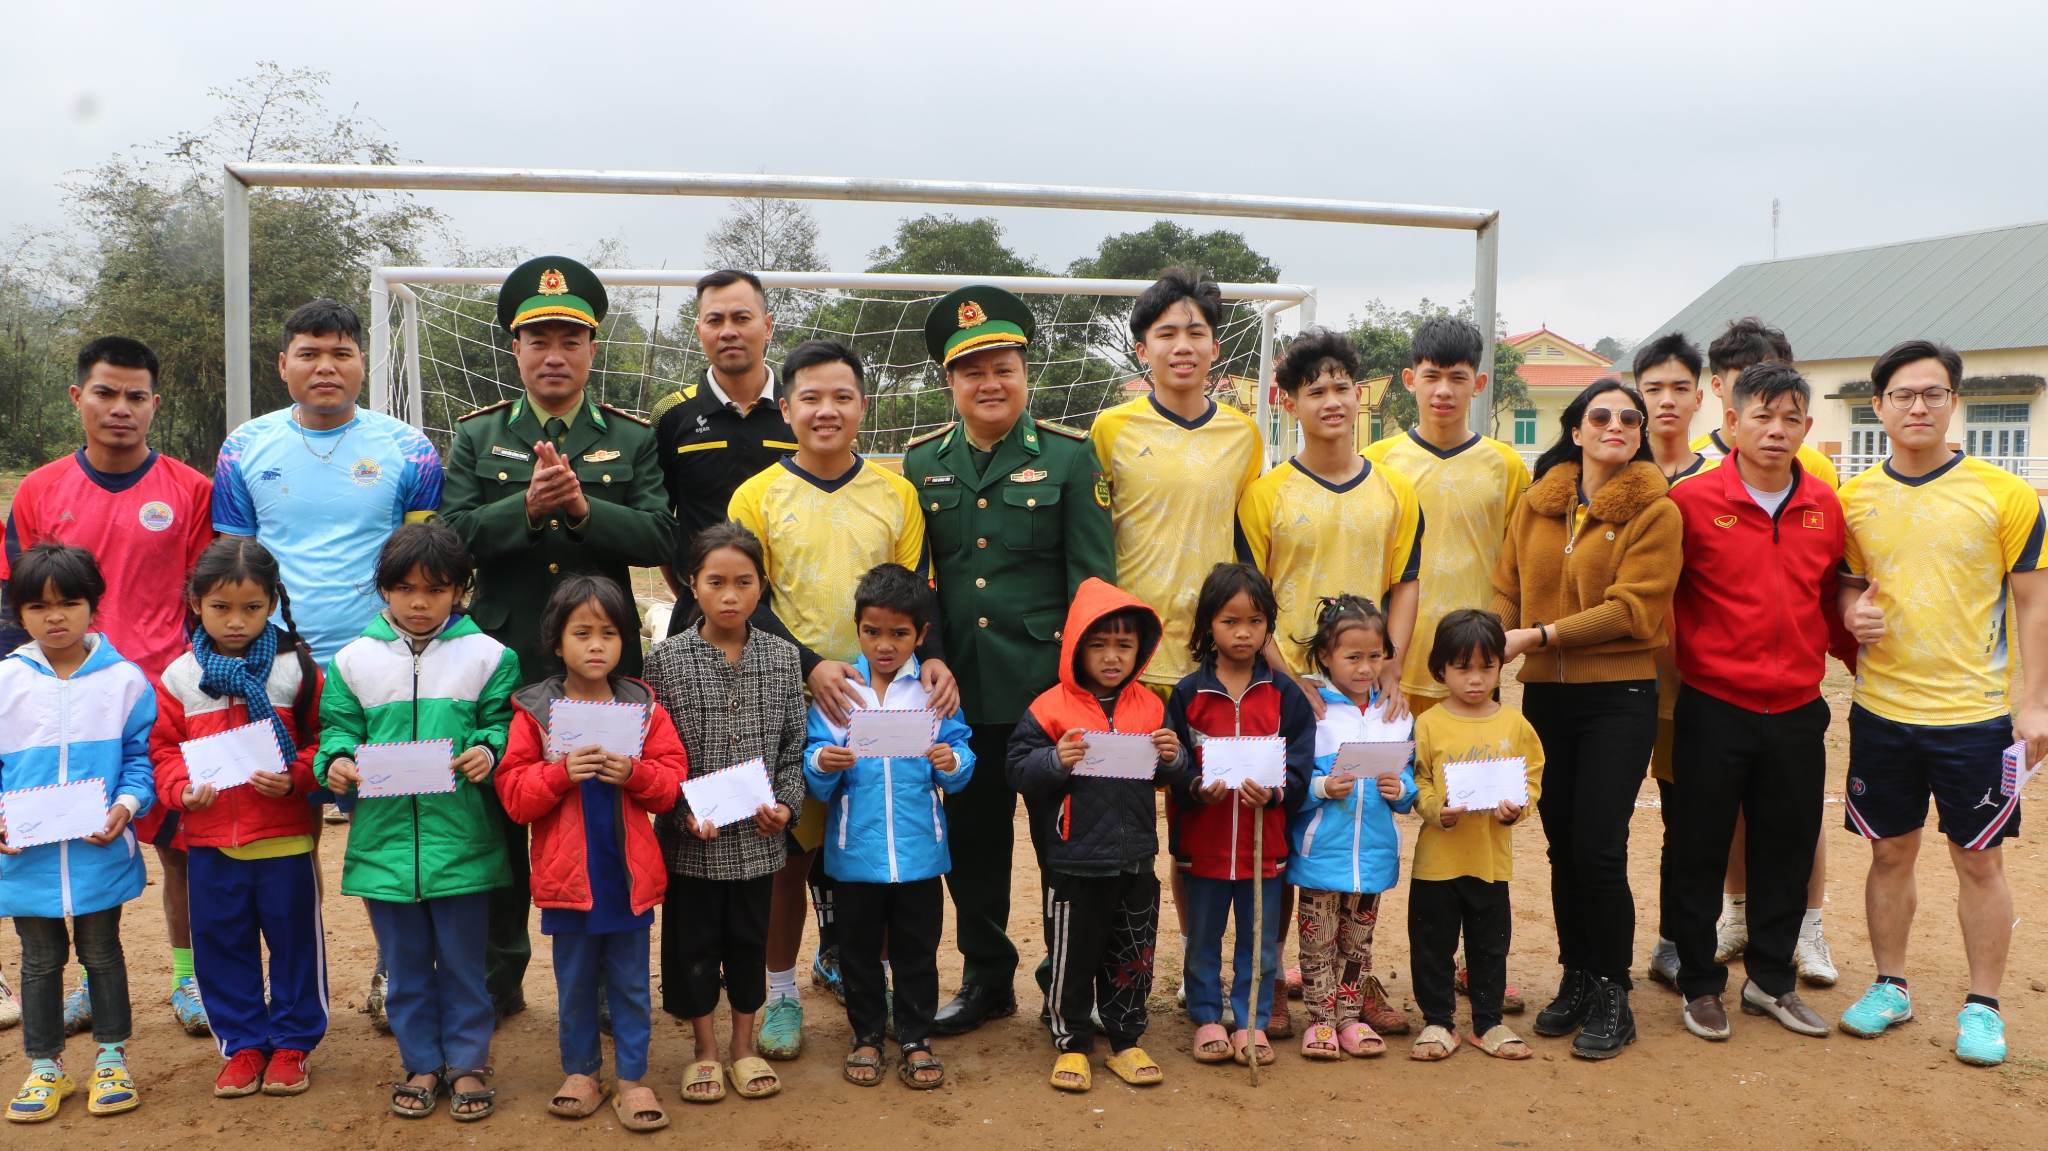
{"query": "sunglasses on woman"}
pixel 1628 417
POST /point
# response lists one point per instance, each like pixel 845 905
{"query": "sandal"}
pixel 855 1061
pixel 570 1105
pixel 1207 1039
pixel 1135 1067
pixel 1360 1041
pixel 1075 1065
pixel 427 1097
pixel 1319 1041
pixel 701 1073
pixel 111 1091
pixel 746 1074
pixel 647 1116
pixel 916 1059
pixel 1434 1044
pixel 39 1097
pixel 1502 1043
pixel 482 1103
pixel 1281 1025
pixel 1241 1048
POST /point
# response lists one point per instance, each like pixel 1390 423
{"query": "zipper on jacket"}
pixel 419 890
pixel 64 776
pixel 889 815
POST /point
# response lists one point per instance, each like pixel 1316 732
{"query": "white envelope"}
pixel 724 798
pixel 1118 755
pixel 227 759
pixel 55 812
pixel 389 770
pixel 1484 784
pixel 878 731
pixel 619 728
pixel 1235 759
pixel 1372 760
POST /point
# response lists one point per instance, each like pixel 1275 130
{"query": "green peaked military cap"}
pixel 974 319
pixel 551 288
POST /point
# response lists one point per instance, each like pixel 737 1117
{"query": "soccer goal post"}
pixel 241 177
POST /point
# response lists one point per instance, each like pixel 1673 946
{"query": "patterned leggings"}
pixel 1336 952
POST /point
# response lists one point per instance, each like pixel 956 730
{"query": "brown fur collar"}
pixel 1618 501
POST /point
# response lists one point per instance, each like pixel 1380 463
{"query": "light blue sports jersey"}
pixel 324 503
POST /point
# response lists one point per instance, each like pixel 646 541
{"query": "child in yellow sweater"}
pixel 1463 858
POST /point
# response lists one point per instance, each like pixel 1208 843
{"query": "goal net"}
pixel 436 351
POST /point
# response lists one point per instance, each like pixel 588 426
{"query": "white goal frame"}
pixel 240 177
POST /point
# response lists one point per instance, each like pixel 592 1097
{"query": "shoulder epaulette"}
pixel 482 410
pixel 624 415
pixel 1063 430
pixel 935 433
pixel 663 405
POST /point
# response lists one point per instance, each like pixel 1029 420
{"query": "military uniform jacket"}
pixel 518 563
pixel 1010 546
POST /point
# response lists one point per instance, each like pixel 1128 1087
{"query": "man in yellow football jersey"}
pixel 1939 544
pixel 825 516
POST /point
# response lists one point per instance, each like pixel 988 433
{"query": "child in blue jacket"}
pixel 1346 850
pixel 885 835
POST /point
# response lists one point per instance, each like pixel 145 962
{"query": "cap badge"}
pixel 553 283
pixel 971 315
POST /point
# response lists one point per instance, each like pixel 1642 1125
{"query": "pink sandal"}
pixel 1319 1041
pixel 1205 1036
pixel 1359 1041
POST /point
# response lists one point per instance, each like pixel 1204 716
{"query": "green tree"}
pixel 37 336
pixel 767 235
pixel 1613 347
pixel 1143 254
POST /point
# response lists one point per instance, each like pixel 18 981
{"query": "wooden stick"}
pixel 1251 1033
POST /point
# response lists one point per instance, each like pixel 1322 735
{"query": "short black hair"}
pixel 1463 632
pixel 812 353
pixel 431 546
pixel 1913 351
pixel 119 351
pixel 322 317
pixel 727 277
pixel 893 587
pixel 1747 341
pixel 1767 382
pixel 1447 341
pixel 1226 582
pixel 71 570
pixel 1313 352
pixel 1173 286
pixel 1123 621
pixel 1669 346
pixel 573 592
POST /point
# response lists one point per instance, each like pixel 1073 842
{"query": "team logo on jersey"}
pixel 366 472
pixel 1855 786
pixel 1725 521
pixel 1818 521
pixel 156 515
pixel 270 475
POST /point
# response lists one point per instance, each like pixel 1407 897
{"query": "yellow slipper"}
pixel 747 1072
pixel 40 1096
pixel 111 1091
pixel 1135 1067
pixel 1072 1063
pixel 704 1072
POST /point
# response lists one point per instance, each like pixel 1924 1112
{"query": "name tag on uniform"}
pixel 935 481
pixel 510 454
pixel 1028 476
pixel 600 456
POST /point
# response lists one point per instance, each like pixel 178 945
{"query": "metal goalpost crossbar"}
pixel 241 177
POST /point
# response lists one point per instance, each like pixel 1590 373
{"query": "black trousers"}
pixel 1596 748
pixel 1438 911
pixel 1666 795
pixel 1101 931
pixel 981 828
pixel 1772 768
pixel 822 887
pixel 712 928
pixel 908 918
pixel 508 948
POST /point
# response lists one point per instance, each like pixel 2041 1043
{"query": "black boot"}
pixel 1610 1025
pixel 1564 1014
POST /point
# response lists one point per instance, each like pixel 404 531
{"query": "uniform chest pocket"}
pixel 606 480
pixel 943 521
pixel 1031 517
pixel 499 470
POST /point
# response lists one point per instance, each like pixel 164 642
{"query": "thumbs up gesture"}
pixel 1864 619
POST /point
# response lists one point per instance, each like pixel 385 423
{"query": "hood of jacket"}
pixel 1633 488
pixel 99 656
pixel 1094 600
pixel 535 698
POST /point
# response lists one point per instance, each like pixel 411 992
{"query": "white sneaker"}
pixel 1180 994
pixel 1731 935
pixel 1664 963
pixel 1813 959
pixel 10 1010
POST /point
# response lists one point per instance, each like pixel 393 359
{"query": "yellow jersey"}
pixel 1313 539
pixel 1466 495
pixel 1811 461
pixel 1479 846
pixel 820 537
pixel 1174 487
pixel 1939 548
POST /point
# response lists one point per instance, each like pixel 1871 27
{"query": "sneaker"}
pixel 241 1075
pixel 1375 1010
pixel 1788 1009
pixel 1980 1036
pixel 1731 935
pixel 1881 1006
pixel 10 1009
pixel 186 1005
pixel 782 1029
pixel 1813 959
pixel 825 973
pixel 1610 1023
pixel 286 1074
pixel 335 814
pixel 1664 964
pixel 374 1005
pixel 1566 1013
pixel 1180 994
pixel 77 1009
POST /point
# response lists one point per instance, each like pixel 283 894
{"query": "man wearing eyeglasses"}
pixel 1937 543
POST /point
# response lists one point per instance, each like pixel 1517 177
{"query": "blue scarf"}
pixel 246 679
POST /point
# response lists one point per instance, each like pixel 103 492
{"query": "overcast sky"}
pixel 1632 149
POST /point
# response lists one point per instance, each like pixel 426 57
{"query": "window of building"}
pixel 1525 427
pixel 1995 432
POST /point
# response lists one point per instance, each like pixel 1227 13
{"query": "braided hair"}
pixel 239 559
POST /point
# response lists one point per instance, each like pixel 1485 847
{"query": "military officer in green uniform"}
pixel 540 487
pixel 1016 516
